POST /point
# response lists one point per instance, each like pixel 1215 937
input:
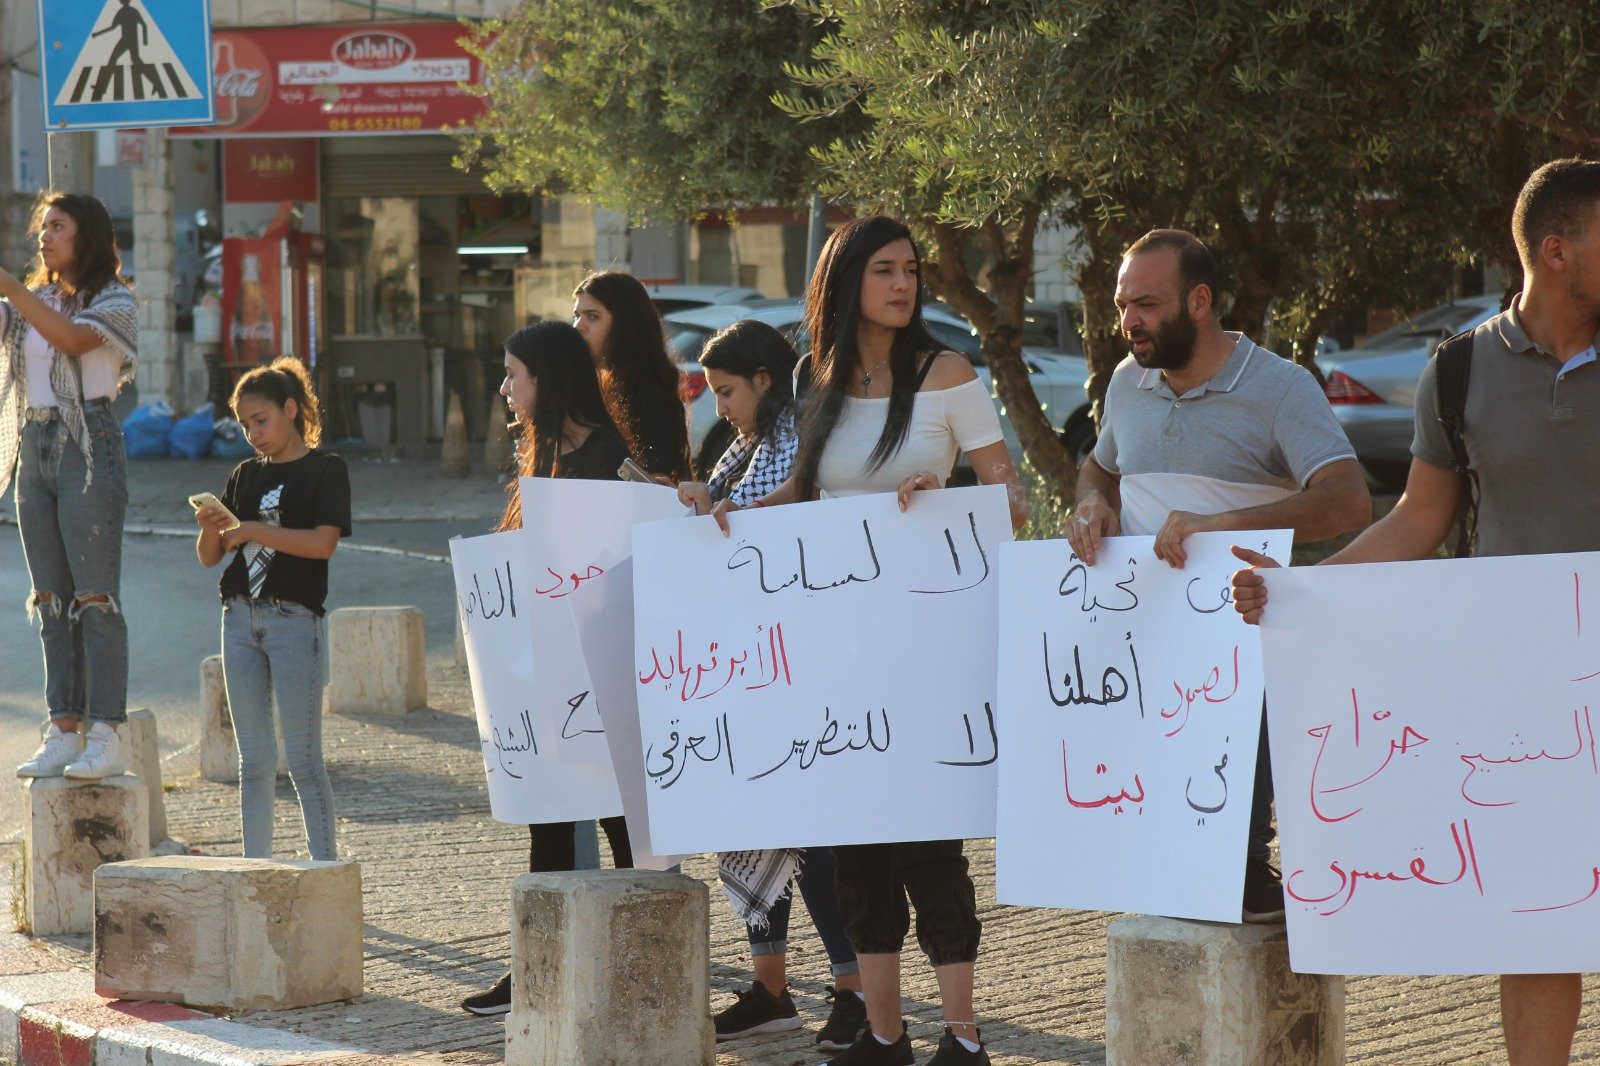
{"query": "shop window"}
pixel 372 267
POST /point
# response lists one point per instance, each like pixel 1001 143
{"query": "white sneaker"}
pixel 54 754
pixel 102 755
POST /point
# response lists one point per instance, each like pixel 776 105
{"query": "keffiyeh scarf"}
pixel 755 880
pixel 754 466
pixel 112 315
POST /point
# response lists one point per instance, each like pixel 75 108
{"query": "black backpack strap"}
pixel 1453 376
pixel 922 375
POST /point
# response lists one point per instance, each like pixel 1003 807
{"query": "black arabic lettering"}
pixel 507 744
pixel 972 746
pixel 955 558
pixel 1201 808
pixel 1086 602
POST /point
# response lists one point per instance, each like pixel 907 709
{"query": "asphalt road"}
pixel 174 619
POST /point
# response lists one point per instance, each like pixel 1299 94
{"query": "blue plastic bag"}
pixel 190 437
pixel 229 442
pixel 144 433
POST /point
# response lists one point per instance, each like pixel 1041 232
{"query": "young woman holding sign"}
pixel 749 367
pixel 887 410
pixel 637 375
pixel 564 430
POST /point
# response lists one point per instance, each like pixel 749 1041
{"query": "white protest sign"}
pixel 1129 715
pixel 493 595
pixel 834 648
pixel 1433 744
pixel 603 614
pixel 574 530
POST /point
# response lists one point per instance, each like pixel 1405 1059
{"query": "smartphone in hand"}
pixel 202 500
pixel 632 471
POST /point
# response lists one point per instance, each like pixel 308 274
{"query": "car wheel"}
pixel 1079 437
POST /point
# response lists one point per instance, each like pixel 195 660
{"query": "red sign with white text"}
pixel 325 81
pixel 269 170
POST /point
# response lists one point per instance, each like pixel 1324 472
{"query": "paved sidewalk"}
pixel 437 870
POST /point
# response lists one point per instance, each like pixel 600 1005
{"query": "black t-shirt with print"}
pixel 311 491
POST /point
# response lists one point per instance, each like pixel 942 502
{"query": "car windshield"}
pixel 686 341
pixel 1433 324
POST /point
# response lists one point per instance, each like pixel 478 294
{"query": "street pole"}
pixel 817 233
pixel 71 161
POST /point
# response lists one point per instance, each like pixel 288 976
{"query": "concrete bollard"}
pixel 1215 995
pixel 219 751
pixel 609 968
pixel 73 827
pixel 234 933
pixel 375 660
pixel 143 747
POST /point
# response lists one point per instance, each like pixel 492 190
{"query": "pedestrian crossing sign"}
pixel 114 64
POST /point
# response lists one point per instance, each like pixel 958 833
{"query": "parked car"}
pixel 1373 385
pixel 669 298
pixel 1058 378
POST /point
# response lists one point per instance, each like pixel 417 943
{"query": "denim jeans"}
pixel 72 538
pixel 815 881
pixel 273 648
pixel 874 881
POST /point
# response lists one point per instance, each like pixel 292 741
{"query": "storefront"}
pixel 356 244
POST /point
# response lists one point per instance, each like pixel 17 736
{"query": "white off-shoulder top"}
pixel 943 422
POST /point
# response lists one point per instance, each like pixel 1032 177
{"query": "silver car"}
pixel 1058 378
pixel 1373 386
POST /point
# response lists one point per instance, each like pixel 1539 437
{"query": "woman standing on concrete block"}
pixel 750 369
pixel 293 504
pixel 68 341
pixel 563 429
pixel 885 408
pixel 638 378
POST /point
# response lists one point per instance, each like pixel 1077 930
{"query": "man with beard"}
pixel 1204 430
pixel 1531 430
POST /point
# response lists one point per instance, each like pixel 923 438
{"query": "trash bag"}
pixel 144 432
pixel 229 442
pixel 190 438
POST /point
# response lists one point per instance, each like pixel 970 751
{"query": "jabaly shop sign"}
pixel 316 81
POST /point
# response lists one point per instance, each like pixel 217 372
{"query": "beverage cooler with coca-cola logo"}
pixel 271 294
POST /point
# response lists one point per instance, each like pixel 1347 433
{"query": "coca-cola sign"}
pixel 324 81
pixel 373 50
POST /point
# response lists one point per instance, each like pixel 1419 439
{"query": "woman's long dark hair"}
pixel 833 311
pixel 96 262
pixel 746 348
pixel 637 375
pixel 557 358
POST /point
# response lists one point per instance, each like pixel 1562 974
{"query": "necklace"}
pixel 866 377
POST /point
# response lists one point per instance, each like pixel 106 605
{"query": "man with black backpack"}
pixel 1508 429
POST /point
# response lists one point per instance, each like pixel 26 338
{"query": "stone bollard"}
pixel 1215 995
pixel 142 744
pixel 375 660
pixel 609 968
pixel 239 934
pixel 73 827
pixel 219 751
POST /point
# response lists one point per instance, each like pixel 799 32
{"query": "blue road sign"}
pixel 114 64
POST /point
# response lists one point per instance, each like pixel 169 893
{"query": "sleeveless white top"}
pixel 943 422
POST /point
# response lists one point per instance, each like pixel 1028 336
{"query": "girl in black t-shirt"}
pixel 638 378
pixel 293 503
pixel 564 430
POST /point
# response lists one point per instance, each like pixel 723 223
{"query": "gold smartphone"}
pixel 202 500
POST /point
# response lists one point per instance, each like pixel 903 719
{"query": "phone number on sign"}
pixel 392 122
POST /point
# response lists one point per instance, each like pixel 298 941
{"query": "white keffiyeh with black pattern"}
pixel 754 466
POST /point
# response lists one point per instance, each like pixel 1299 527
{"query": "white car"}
pixel 1373 386
pixel 1058 378
pixel 669 298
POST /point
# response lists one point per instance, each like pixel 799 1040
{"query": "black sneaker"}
pixel 952 1053
pixel 1263 893
pixel 757 1011
pixel 867 1051
pixel 845 1020
pixel 495 1001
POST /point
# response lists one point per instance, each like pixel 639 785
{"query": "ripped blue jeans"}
pixel 72 539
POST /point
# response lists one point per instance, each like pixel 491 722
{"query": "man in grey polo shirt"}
pixel 1532 430
pixel 1205 430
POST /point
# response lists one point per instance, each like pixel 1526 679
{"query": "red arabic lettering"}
pixel 1416 870
pixel 1186 697
pixel 1593 890
pixel 1116 799
pixel 1409 738
pixel 560 588
pixel 771 665
pixel 1476 763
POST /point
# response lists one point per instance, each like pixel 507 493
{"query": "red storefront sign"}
pixel 257 171
pixel 325 81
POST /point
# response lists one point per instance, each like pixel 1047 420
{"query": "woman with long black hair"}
pixel 886 410
pixel 68 342
pixel 637 375
pixel 563 430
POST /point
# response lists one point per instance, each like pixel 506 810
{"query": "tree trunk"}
pixel 998 317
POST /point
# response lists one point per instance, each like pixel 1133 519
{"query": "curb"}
pixel 50 1016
